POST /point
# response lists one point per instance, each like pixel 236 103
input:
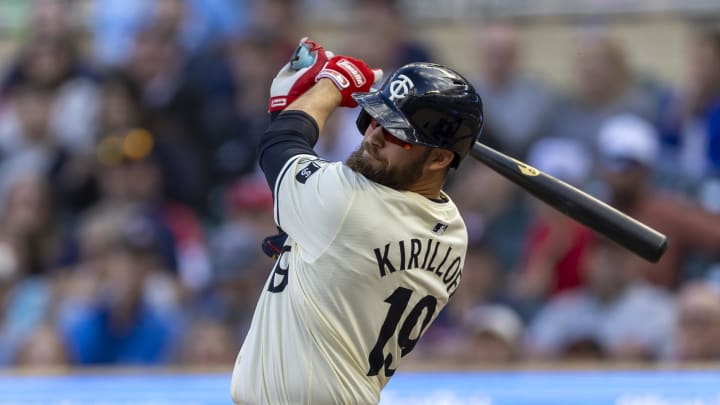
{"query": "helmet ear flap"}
pixel 363 121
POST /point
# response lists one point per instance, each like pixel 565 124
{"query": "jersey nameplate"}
pixel 306 172
pixel 415 254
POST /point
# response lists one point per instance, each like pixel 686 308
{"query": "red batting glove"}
pixel 350 75
pixel 298 75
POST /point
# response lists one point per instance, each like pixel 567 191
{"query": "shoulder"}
pixel 309 169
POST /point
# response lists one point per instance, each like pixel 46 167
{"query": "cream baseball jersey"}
pixel 364 271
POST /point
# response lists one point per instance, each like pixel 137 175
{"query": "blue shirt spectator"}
pixel 114 23
pixel 95 337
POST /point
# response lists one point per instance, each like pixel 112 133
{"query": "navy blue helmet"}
pixel 426 104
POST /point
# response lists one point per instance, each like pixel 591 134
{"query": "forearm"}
pixel 295 131
pixel 312 97
pixel 291 133
pixel 318 102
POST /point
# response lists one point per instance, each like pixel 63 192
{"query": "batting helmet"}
pixel 426 104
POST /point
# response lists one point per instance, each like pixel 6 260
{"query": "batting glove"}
pixel 350 75
pixel 298 75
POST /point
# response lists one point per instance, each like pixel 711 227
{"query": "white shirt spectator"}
pixel 642 315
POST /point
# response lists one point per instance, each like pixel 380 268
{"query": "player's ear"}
pixel 440 159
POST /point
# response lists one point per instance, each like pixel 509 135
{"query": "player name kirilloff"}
pixel 416 254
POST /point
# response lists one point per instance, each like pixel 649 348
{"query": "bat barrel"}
pixel 595 214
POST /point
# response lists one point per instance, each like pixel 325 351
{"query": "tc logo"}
pixel 400 87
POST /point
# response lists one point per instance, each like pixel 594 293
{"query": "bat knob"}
pixel 302 58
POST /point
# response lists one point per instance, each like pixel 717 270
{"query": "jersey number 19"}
pixel 398 301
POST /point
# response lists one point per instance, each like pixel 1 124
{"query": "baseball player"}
pixel 374 247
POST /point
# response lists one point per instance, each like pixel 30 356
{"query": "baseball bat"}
pixel 595 214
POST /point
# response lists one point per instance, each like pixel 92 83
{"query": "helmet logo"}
pixel 400 87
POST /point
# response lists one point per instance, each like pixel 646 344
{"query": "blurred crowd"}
pixel 132 210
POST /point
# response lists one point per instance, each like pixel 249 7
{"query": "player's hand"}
pixel 350 75
pixel 298 75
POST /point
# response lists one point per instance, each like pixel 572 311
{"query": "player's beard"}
pixel 399 178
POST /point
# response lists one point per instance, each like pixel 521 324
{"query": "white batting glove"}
pixel 298 75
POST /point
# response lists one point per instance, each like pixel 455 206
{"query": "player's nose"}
pixel 374 134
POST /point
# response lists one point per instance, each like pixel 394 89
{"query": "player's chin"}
pixel 363 160
pixel 356 162
pixel 364 163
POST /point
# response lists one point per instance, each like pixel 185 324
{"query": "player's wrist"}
pixel 329 90
pixel 322 96
pixel 318 102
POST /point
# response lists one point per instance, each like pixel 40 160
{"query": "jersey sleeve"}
pixel 312 198
pixel 291 133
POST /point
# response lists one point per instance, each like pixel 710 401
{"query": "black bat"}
pixel 595 214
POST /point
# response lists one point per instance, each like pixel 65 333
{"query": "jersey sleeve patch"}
pixel 304 174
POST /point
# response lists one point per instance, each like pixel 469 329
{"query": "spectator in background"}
pixel 132 169
pixel 209 343
pixel 233 76
pixel 26 144
pixel 118 303
pixel 52 64
pixel 131 176
pixel 171 107
pixel 606 86
pixel 482 282
pixel 279 22
pixel 156 64
pixel 380 35
pixel 555 243
pixel 616 314
pixel 113 24
pixel 52 17
pixel 495 212
pixel 691 124
pixel 25 300
pixel 96 232
pixel 697 330
pixel 235 119
pixel 200 23
pixel 44 347
pixel 48 123
pixel 519 110
pixel 248 218
pixel 492 335
pixel 238 259
pixel 28 221
pixel 629 151
pixel 29 239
